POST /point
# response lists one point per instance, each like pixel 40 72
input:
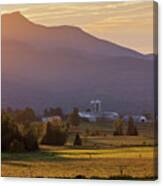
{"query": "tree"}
pixel 55 134
pixel 132 130
pixel 58 112
pixel 118 126
pixel 9 131
pixel 30 141
pixel 54 112
pixel 13 139
pixel 74 118
pixel 25 116
pixel 77 141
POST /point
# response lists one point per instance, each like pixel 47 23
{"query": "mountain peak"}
pixel 18 18
pixel 14 18
pixel 17 13
pixel 12 15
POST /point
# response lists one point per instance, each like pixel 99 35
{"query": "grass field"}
pixel 102 156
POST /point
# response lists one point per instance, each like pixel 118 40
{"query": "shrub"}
pixel 77 141
pixel 55 135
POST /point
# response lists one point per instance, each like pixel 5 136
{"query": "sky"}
pixel 126 23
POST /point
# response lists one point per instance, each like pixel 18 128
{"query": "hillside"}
pixel 65 66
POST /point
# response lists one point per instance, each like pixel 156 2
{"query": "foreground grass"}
pixel 137 162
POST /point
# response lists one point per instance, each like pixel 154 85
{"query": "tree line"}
pixel 22 130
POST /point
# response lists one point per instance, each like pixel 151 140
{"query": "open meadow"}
pixel 100 156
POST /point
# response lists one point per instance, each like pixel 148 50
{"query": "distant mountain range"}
pixel 65 66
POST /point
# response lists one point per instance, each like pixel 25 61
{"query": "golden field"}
pixel 102 157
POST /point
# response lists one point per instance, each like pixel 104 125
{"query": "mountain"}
pixel 151 57
pixel 17 27
pixel 65 66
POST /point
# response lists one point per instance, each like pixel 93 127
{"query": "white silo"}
pixel 96 105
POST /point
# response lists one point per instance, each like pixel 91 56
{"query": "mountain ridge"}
pixel 71 33
pixel 42 67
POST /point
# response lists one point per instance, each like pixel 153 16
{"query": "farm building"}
pixel 95 113
pixel 93 117
pixel 136 118
pixel 51 119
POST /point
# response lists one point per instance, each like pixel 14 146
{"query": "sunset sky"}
pixel 127 23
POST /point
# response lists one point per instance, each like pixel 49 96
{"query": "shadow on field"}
pixel 42 156
pixel 33 156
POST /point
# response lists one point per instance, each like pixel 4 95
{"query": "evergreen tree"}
pixel 77 141
pixel 131 130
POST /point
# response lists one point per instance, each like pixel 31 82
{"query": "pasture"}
pixel 101 156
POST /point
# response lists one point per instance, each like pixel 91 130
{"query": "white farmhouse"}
pixel 136 118
pixel 91 117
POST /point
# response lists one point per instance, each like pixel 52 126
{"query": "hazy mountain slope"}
pixel 17 27
pixel 64 66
